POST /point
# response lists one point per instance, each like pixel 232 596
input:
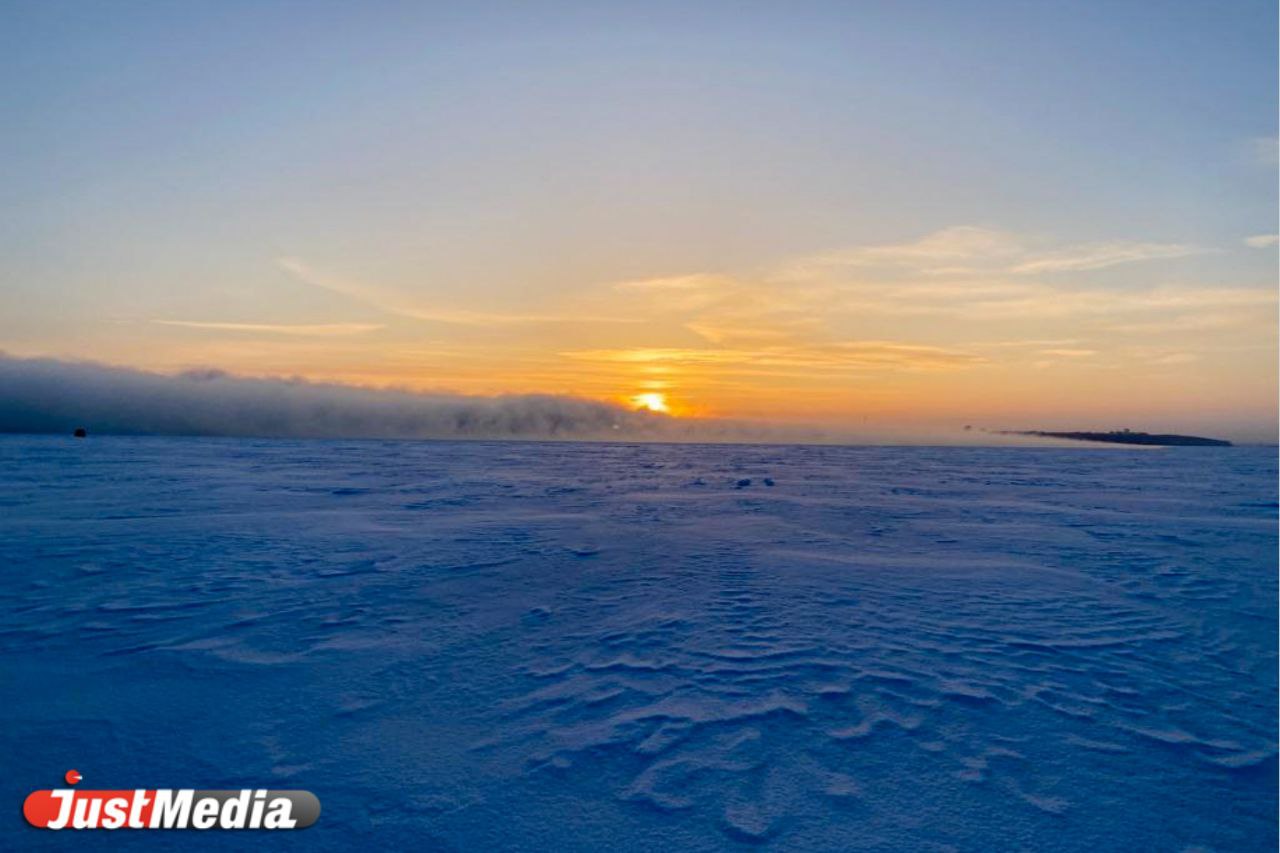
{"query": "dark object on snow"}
pixel 768 481
pixel 1124 436
pixel 80 432
pixel 742 484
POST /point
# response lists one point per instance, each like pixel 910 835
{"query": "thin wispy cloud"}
pixel 400 304
pixel 797 360
pixel 949 250
pixel 1255 320
pixel 1028 344
pixel 1174 358
pixel 1262 241
pixel 300 329
pixel 676 284
pixel 1102 255
pixel 967 250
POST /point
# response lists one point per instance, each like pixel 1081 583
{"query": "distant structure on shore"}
pixel 1125 436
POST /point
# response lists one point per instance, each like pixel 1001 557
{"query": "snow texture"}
pixel 546 646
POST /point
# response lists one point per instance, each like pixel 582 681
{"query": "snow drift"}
pixel 586 646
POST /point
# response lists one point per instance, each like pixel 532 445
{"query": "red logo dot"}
pixel 72 777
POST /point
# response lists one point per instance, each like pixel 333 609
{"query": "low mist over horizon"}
pixel 57 396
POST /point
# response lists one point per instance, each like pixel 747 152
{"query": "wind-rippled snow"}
pixel 541 646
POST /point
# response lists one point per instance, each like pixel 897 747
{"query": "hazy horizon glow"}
pixel 862 217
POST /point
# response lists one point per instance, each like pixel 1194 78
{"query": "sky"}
pixel 861 215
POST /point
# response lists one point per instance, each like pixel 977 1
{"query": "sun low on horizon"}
pixel 651 401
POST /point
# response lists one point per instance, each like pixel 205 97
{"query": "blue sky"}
pixel 222 165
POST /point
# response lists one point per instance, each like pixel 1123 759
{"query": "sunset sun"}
pixel 652 401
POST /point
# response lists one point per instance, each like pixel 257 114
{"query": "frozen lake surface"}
pixel 573 647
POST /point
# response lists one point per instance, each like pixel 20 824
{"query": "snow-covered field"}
pixel 505 646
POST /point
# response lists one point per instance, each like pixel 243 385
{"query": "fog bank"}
pixel 43 395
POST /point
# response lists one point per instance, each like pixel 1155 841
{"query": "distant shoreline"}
pixel 1127 437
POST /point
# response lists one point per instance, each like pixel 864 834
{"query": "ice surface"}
pixel 502 646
